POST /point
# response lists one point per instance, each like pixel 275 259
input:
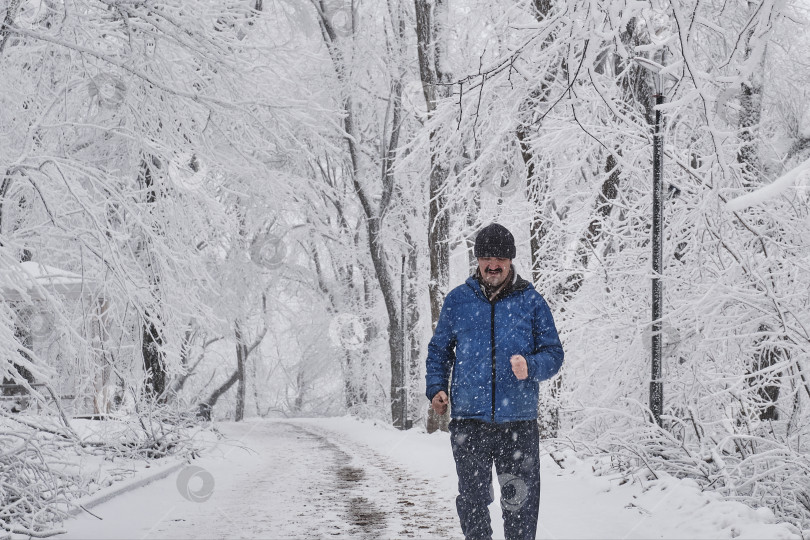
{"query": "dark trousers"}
pixel 514 447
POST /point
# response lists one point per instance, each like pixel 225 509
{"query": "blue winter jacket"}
pixel 476 338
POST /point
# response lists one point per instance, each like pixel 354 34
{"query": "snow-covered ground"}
pixel 341 477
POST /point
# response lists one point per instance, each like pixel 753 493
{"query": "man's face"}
pixel 494 270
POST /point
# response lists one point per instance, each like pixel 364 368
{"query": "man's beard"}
pixel 495 278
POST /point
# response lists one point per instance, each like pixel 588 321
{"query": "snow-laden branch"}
pixel 795 177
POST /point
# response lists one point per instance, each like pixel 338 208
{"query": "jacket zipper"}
pixel 492 341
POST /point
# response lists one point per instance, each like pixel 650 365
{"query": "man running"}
pixel 497 335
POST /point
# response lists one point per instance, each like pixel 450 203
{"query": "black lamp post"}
pixel 656 382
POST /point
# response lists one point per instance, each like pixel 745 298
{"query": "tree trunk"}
pixel 636 91
pixel 154 364
pixel 362 363
pixel 355 393
pixel 206 407
pixel 536 182
pixel 243 352
pixel 536 190
pixel 537 187
pixel 241 358
pixel 766 385
pixel 180 382
pixel 588 242
pixel 428 36
pixel 11 14
pixel 761 378
pixel 374 216
pixel 412 324
pixel 23 313
pixel 749 119
pixel 12 386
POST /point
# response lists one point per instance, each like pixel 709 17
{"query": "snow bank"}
pixel 575 501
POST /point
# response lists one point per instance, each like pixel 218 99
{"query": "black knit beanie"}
pixel 495 241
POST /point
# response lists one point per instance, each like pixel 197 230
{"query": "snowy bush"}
pixel 33 492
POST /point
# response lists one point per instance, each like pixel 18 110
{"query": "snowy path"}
pixel 342 478
pixel 292 482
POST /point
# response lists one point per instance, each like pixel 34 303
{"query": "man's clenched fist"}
pixel 519 367
pixel 440 402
